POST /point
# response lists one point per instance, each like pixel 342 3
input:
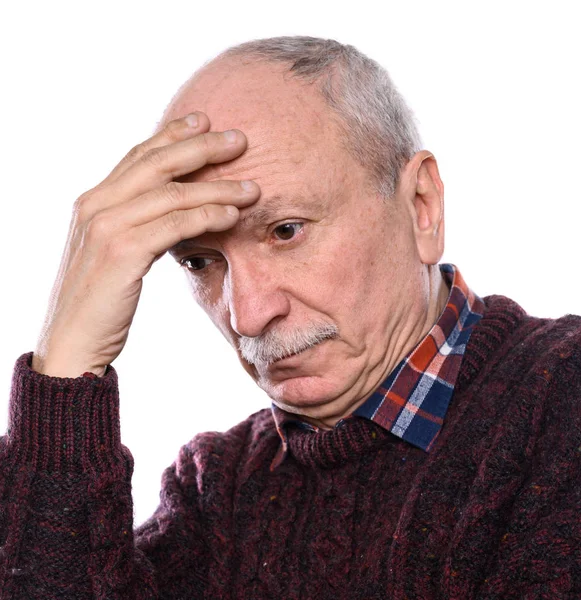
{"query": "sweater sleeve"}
pixel 540 552
pixel 66 511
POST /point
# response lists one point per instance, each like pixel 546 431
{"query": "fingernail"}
pixel 230 136
pixel 232 210
pixel 192 120
pixel 247 185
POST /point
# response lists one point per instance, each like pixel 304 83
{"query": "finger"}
pixel 167 231
pixel 180 196
pixel 162 164
pixel 174 131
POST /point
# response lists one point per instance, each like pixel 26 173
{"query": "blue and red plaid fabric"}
pixel 412 402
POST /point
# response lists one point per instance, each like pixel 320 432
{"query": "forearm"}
pixel 66 522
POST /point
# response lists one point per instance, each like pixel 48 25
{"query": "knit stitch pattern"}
pixel 492 511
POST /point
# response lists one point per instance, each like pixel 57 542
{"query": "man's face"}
pixel 318 256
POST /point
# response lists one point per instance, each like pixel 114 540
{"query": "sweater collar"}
pixel 412 401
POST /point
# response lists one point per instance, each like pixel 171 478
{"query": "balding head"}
pixel 280 116
pixel 377 126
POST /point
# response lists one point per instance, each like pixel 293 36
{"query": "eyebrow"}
pixel 262 215
pixel 258 216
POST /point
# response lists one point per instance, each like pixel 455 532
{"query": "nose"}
pixel 254 297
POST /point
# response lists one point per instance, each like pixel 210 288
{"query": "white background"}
pixel 495 87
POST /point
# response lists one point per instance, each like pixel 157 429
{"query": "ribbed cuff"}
pixel 63 423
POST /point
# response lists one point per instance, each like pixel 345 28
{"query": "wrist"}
pixel 64 369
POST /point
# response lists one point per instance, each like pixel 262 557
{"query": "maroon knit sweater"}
pixel 493 511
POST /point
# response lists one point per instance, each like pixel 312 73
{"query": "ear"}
pixel 423 192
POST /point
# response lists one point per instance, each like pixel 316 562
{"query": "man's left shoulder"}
pixel 557 343
pixel 557 366
pixel 541 360
pixel 548 344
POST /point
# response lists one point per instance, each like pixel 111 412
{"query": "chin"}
pixel 297 393
pixel 310 383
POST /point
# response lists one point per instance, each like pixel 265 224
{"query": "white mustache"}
pixel 274 345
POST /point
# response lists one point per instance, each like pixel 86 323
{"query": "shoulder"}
pixel 524 364
pixel 533 341
pixel 548 343
pixel 542 359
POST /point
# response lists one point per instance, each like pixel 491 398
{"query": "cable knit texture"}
pixel 493 511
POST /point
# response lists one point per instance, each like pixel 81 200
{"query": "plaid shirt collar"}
pixel 412 402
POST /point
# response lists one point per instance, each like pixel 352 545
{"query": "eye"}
pixel 287 231
pixel 197 263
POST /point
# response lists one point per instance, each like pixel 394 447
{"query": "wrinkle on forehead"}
pixel 267 160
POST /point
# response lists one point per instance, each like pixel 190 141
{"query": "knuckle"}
pixel 155 157
pixel 221 191
pixel 205 144
pixel 229 190
pixel 135 153
pixel 204 213
pixel 174 193
pixel 173 130
pixel 81 203
pixel 99 227
pixel 86 204
pixel 174 220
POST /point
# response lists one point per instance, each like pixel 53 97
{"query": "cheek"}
pixel 207 289
pixel 207 292
pixel 354 277
pixel 348 261
pixel 331 282
pixel 199 288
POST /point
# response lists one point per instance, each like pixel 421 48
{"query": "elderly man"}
pixel 423 442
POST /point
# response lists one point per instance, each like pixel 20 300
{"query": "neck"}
pixel 439 292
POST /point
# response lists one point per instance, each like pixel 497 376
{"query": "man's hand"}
pixel 120 228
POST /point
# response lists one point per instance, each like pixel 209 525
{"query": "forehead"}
pixel 286 120
pixel 260 99
pixel 294 147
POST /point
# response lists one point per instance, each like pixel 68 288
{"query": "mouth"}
pixel 288 356
pixel 291 359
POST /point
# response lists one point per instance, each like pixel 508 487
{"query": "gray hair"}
pixel 379 128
